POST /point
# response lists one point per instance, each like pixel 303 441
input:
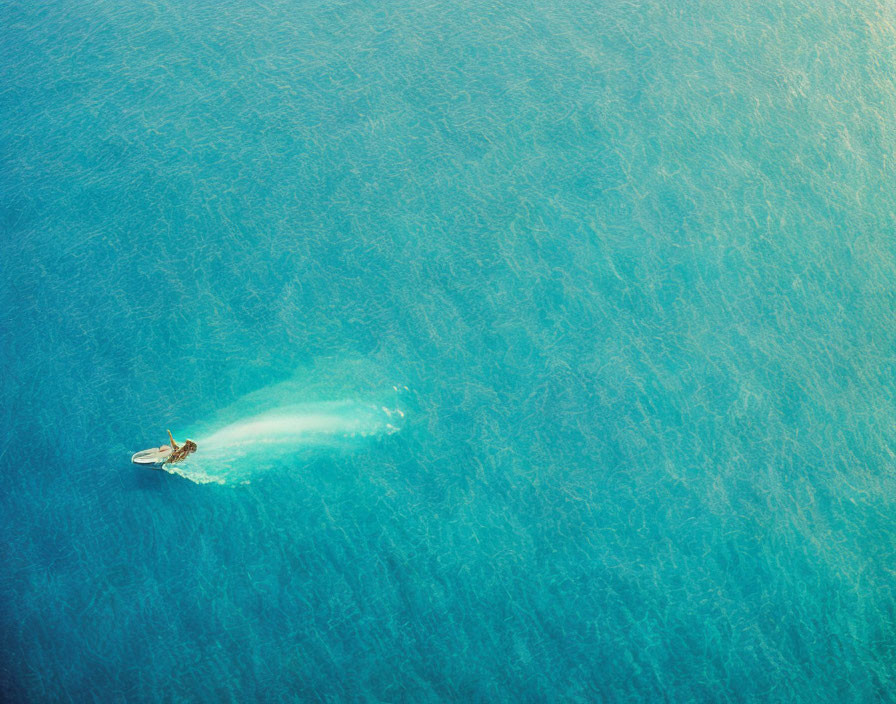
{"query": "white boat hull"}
pixel 152 456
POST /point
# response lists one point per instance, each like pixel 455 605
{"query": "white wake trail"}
pixel 240 448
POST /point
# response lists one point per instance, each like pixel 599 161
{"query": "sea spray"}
pixel 238 450
pixel 284 423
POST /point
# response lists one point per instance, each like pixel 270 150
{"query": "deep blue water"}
pixel 537 351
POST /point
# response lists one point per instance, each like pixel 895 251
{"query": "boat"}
pixel 153 456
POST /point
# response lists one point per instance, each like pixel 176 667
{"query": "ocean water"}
pixel 536 351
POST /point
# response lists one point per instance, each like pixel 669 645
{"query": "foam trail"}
pixel 239 449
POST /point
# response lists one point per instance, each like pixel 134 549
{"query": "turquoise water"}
pixel 536 351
